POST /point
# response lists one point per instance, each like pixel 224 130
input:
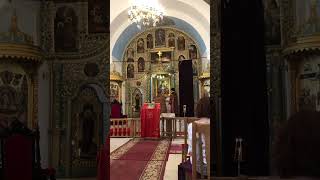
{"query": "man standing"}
pixel 174 102
pixel 162 100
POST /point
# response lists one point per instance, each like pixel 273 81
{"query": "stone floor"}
pixel 171 171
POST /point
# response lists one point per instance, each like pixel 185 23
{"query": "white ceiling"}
pixel 195 13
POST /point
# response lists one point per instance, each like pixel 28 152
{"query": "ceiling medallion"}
pixel 145 13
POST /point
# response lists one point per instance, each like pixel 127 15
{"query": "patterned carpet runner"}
pixel 140 159
pixel 176 149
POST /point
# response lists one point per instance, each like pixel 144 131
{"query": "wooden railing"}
pixel 169 127
pixel 125 127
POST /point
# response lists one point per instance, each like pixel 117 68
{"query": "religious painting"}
pixel 130 55
pixel 171 40
pixel 149 41
pixel 65 30
pixel 141 64
pixel 85 125
pixel 130 71
pixel 160 39
pixel 162 85
pixel 193 52
pixel 114 91
pixel 98 20
pixel 166 56
pixel 13 98
pixel 140 45
pixel 272 22
pixel 87 118
pixel 137 100
pixel 154 57
pixel 194 68
pixel 181 43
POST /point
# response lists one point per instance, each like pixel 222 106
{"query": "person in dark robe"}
pixel 137 107
pixel 88 118
pixel 174 102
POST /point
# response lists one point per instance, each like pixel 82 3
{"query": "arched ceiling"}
pixel 192 17
pixel 132 30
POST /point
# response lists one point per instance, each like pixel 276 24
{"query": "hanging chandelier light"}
pixel 145 13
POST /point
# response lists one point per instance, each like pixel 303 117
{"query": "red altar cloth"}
pixel 150 120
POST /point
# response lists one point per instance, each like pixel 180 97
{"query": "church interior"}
pixel 159 89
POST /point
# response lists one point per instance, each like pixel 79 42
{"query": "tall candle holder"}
pixel 184 110
pixel 238 154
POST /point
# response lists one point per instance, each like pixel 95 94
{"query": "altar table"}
pixel 150 120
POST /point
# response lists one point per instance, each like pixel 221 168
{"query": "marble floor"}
pixel 171 171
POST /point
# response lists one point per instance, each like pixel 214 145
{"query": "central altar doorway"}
pixel 162 83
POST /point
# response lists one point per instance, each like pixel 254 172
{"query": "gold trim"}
pixel 156 164
pixel 307 43
pixel 162 49
pixel 21 51
pixel 116 154
pixel 115 76
pixel 205 75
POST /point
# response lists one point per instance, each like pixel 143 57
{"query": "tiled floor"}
pixel 171 171
pixel 117 142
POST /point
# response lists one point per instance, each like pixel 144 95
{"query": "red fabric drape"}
pixel 116 111
pixel 19 158
pixel 150 121
pixel 104 161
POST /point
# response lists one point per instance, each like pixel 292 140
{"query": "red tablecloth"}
pixel 150 120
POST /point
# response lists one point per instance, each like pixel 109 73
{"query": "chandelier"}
pixel 145 13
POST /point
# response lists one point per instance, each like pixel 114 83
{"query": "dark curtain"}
pixel 243 81
pixel 186 87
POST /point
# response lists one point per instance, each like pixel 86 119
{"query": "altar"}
pixel 150 120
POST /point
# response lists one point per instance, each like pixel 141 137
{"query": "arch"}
pixel 102 97
pixel 119 45
pixel 200 19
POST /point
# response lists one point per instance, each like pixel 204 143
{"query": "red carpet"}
pixel 175 149
pixel 139 159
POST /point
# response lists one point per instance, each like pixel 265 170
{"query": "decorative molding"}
pixel 20 53
pixel 306 45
